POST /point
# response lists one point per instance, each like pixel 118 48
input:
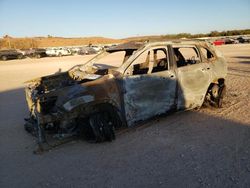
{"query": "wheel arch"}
pixel 220 82
pixel 86 110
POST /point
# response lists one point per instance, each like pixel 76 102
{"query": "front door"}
pixel 149 86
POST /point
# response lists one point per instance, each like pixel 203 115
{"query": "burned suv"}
pixel 125 85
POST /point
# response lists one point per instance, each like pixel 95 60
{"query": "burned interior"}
pixel 122 86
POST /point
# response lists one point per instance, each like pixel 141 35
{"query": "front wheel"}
pixel 98 127
pixel 102 129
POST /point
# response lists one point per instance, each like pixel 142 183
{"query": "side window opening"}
pixel 186 56
pixel 150 61
pixel 160 60
pixel 112 60
pixel 206 53
pixel 140 65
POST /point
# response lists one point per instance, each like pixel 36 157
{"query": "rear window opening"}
pixel 206 53
pixel 186 56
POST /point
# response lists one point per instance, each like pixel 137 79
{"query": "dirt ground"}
pixel 200 148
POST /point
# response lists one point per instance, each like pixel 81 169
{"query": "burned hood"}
pixel 57 81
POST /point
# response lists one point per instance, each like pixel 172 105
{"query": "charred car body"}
pixel 95 99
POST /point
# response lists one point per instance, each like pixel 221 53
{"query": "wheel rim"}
pixel 101 129
pixel 215 91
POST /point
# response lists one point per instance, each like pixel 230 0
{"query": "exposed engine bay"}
pixel 50 98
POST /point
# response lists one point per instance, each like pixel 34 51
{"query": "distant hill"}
pixel 35 42
pixel 190 36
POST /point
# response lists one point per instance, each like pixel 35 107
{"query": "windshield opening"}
pixel 110 60
pixel 103 60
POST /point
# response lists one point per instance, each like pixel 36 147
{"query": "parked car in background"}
pixel 10 54
pixel 218 42
pixel 75 50
pixel 87 51
pixel 96 48
pixel 243 39
pixel 58 52
pixel 229 41
pixel 35 53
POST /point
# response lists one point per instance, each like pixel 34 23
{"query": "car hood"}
pixel 48 84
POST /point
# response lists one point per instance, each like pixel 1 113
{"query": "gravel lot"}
pixel 200 148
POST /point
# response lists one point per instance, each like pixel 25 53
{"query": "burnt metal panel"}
pixel 149 95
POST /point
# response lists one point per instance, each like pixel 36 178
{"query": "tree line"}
pixel 190 36
pixel 7 42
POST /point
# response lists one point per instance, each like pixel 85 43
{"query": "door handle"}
pixel 208 68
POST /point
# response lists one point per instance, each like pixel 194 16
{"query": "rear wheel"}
pixel 217 93
pixel 221 94
pixel 4 58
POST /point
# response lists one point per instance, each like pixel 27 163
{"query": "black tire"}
pixel 222 93
pixel 20 56
pixel 218 93
pixel 98 127
pixel 4 58
pixel 38 56
pixel 103 131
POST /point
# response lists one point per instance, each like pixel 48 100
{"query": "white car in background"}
pixel 58 52
pixel 96 48
pixel 75 50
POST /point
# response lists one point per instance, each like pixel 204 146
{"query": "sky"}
pixel 120 19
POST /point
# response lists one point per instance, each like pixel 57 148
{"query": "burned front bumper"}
pixel 34 102
pixel 36 122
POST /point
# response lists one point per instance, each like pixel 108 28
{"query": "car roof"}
pixel 176 42
pixel 126 46
pixel 137 45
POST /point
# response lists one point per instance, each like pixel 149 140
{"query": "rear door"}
pixel 193 76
